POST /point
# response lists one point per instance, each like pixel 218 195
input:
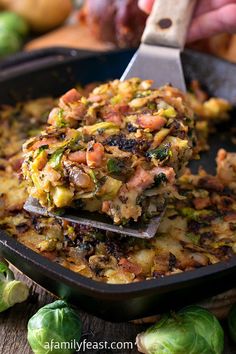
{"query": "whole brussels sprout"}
pixel 54 329
pixel 192 330
pixel 232 323
pixel 11 291
pixel 10 42
pixel 12 22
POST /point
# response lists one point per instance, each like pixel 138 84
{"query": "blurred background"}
pixel 90 24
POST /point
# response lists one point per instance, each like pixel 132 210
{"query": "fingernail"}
pixel 141 4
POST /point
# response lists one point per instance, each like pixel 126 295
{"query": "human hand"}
pixel 210 17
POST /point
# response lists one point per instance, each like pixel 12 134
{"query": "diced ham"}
pixel 77 111
pixel 69 97
pixel 130 267
pixel 226 168
pixel 16 163
pixel 201 203
pixel 114 117
pixel 52 175
pixel 141 179
pixel 198 92
pixel 124 108
pixel 94 154
pixel 52 118
pixel 43 142
pixel 96 98
pixel 151 122
pixel 105 206
pixel 50 255
pixel 230 217
pixel 210 183
pixel 78 156
pixel 221 155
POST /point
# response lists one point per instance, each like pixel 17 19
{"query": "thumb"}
pixel 146 5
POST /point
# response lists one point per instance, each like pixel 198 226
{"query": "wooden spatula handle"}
pixel 168 23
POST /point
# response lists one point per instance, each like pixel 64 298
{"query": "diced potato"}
pixel 40 161
pixel 110 188
pixel 144 258
pixel 62 196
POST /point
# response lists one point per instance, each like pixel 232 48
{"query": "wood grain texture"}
pixel 75 35
pixel 13 324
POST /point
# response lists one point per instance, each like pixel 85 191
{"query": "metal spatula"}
pixel 158 58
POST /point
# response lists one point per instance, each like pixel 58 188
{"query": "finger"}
pixel 204 6
pixel 146 5
pixel 214 22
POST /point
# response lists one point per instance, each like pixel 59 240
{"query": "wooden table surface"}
pixel 13 324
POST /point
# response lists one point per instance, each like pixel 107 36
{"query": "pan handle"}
pixel 168 23
pixel 39 59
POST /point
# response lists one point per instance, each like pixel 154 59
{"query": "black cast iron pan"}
pixel 52 72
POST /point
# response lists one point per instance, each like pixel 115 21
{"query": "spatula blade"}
pixel 99 221
pixel 161 64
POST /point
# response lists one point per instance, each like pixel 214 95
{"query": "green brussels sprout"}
pixel 11 22
pixel 192 330
pixel 232 322
pixel 54 329
pixel 10 42
pixel 11 291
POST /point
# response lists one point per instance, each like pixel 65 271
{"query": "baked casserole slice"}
pixel 117 151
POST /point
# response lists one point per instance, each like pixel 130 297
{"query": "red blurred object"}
pixel 118 21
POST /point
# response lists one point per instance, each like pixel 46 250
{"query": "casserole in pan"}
pixel 52 75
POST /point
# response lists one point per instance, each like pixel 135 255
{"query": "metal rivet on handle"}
pixel 165 23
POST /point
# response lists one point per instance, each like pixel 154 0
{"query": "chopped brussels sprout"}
pixel 170 112
pixel 52 327
pixel 161 153
pixel 193 238
pixel 11 291
pixel 109 127
pixel 116 99
pixel 36 180
pixel 192 330
pixel 60 121
pixel 114 166
pixel 196 215
pixel 39 150
pixel 55 159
